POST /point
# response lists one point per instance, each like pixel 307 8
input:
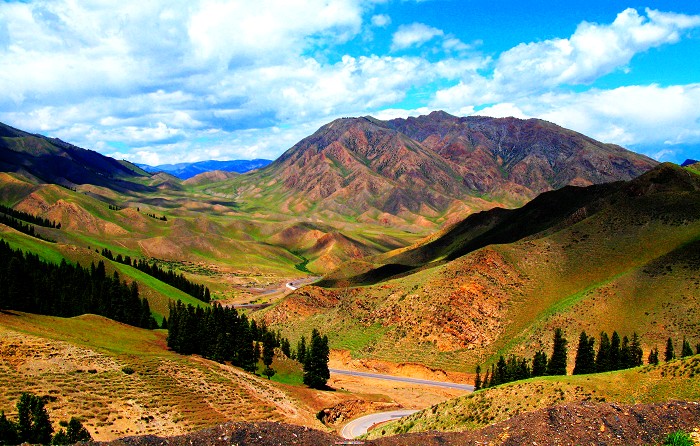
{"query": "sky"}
pixel 167 81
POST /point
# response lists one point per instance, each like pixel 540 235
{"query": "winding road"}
pixel 424 382
pixel 360 426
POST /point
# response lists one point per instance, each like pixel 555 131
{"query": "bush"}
pixel 678 438
pixel 128 370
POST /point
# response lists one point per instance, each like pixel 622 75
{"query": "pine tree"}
pixel 557 363
pixel 477 379
pixel 653 356
pixel 686 350
pixel 625 354
pixel 669 354
pixel 34 425
pixel 301 350
pixel 500 375
pixel 268 354
pixel 8 431
pixel 487 379
pixel 636 353
pixel 539 364
pixel 615 352
pixel 602 361
pixel 316 372
pixel 585 355
pixel 697 348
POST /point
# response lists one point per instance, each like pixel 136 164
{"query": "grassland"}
pixel 123 381
pixel 675 380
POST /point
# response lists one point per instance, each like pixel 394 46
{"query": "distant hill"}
pixel 689 162
pixel 51 160
pixel 185 171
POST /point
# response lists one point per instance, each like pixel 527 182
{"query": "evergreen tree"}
pixel 686 350
pixel 585 355
pixel 653 356
pixel 477 379
pixel 557 362
pixel 492 379
pixel 539 364
pixel 316 372
pixel 268 354
pixel 34 425
pixel 625 354
pixel 286 347
pixel 697 348
pixel 301 350
pixel 669 353
pixel 487 379
pixel 636 353
pixel 615 352
pixel 8 431
pixel 602 361
pixel 500 375
pixel 76 432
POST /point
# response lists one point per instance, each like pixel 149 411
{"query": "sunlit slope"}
pixel 122 381
pixel 676 380
pixel 625 259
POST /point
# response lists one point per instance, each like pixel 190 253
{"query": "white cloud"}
pixel 415 34
pixel 381 20
pixel 181 80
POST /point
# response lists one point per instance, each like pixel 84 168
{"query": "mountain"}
pixel 619 256
pixel 429 170
pixel 51 160
pixel 186 171
pixel 689 162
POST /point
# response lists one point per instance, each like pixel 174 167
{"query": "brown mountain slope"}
pixel 521 156
pixel 620 257
pixel 430 169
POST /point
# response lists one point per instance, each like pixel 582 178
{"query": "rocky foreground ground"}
pixel 569 424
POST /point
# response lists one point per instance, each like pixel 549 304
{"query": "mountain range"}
pixel 443 242
pixel 185 171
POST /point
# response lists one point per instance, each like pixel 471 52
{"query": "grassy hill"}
pixel 624 258
pixel 123 381
pixel 675 380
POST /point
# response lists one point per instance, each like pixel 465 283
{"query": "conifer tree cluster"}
pixel 170 277
pixel 29 218
pixel 516 368
pixel 22 227
pixel 221 334
pixel 30 284
pixel 33 425
pixel 613 353
pixel 314 360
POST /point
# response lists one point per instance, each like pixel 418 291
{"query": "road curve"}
pixel 360 426
pixel 424 382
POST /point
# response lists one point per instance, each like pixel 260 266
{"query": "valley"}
pixel 422 248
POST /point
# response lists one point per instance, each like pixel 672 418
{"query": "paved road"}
pixel 361 425
pixel 425 382
pixel 296 284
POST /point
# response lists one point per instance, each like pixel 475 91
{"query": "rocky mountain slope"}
pixel 620 256
pixel 429 169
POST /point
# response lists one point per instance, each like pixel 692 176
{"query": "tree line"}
pixel 32 285
pixel 29 218
pixel 223 334
pixel 614 353
pixel 170 277
pixel 22 227
pixel 33 425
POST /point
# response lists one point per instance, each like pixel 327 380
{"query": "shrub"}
pixel 678 438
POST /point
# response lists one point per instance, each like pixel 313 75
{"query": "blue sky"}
pixel 168 81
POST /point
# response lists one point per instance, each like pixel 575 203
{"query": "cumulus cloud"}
pixel 168 81
pixel 415 34
pixel 381 20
